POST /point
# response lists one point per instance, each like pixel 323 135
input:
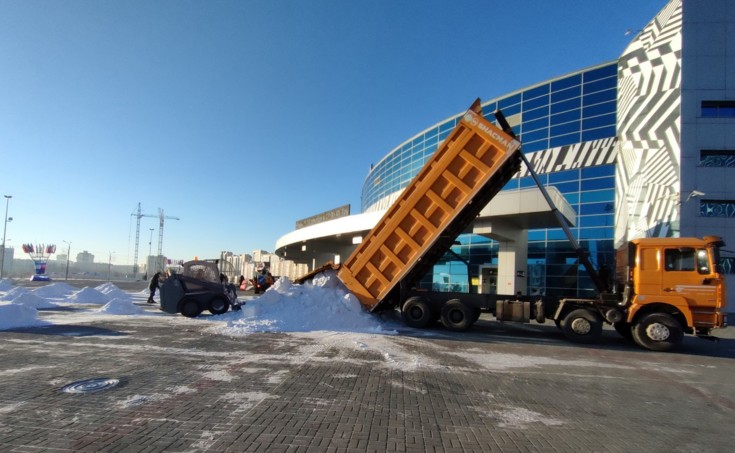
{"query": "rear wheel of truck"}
pixel 457 316
pixel 190 308
pixel 658 332
pixel 582 326
pixel 417 313
pixel 218 305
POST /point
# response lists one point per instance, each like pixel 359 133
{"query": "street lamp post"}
pixel 150 252
pixel 68 251
pixel 5 229
pixel 109 266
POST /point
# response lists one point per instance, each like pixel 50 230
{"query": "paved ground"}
pixel 183 387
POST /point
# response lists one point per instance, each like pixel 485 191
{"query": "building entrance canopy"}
pixel 502 219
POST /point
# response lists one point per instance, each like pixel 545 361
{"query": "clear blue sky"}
pixel 241 117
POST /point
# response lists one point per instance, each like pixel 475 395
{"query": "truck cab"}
pixel 674 286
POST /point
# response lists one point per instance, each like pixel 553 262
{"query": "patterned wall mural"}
pixel 648 123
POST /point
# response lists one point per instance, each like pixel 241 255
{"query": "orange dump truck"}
pixel 665 287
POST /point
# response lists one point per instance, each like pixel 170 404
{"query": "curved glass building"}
pixel 643 145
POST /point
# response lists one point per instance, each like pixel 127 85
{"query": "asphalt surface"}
pixel 168 383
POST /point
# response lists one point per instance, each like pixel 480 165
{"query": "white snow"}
pixel 321 304
pixel 122 306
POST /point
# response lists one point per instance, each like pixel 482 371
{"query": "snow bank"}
pixel 112 291
pixel 33 301
pixel 322 304
pixel 88 295
pixel 14 315
pixel 56 290
pixel 122 306
pixel 15 292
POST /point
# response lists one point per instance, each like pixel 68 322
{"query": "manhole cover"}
pixel 90 385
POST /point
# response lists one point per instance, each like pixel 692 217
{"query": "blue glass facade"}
pixel 576 108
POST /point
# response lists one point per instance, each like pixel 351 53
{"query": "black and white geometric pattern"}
pixel 649 125
pixel 578 155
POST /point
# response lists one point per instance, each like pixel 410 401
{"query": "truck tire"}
pixel 658 332
pixel 190 308
pixel 625 329
pixel 582 326
pixel 457 316
pixel 218 305
pixel 417 313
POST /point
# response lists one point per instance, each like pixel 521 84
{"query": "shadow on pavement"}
pixel 68 331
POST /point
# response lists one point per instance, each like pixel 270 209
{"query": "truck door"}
pixel 689 273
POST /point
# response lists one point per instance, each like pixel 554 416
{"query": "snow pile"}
pixel 322 304
pixel 13 293
pixel 33 301
pixel 122 306
pixel 112 291
pixel 14 315
pixel 88 296
pixel 54 290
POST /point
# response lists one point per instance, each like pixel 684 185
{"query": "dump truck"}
pixel 199 286
pixel 664 287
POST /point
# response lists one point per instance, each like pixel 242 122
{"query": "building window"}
pixel 717 158
pixel 717 208
pixel 718 109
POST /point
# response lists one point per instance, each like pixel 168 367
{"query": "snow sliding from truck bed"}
pixel 320 304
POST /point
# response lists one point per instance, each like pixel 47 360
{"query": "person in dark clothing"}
pixel 152 286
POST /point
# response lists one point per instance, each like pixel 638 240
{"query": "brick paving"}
pixel 498 388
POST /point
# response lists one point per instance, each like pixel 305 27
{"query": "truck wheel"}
pixel 582 326
pixel 190 308
pixel 624 329
pixel 658 332
pixel 457 316
pixel 417 313
pixel 218 305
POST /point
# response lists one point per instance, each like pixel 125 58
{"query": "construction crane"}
pixel 161 218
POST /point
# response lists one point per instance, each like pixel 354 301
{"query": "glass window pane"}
pixel 600 96
pixel 597 195
pixel 533 136
pixel 567 175
pixel 597 134
pixel 569 93
pixel 503 104
pixel 600 73
pixel 600 170
pixel 536 124
pixel 567 82
pixel 564 129
pixel 535 103
pixel 562 140
pixel 602 84
pixel 598 121
pixel 529 115
pixel 536 92
pixel 535 146
pixel 566 105
pixel 565 117
pixel 600 109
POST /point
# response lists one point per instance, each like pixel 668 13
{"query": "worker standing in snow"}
pixel 153 285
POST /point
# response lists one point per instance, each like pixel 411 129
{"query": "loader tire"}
pixel 218 305
pixel 190 308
